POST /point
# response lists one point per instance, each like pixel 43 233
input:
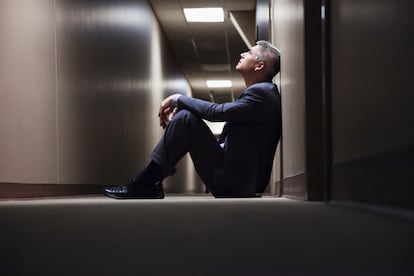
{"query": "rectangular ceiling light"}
pixel 204 15
pixel 219 83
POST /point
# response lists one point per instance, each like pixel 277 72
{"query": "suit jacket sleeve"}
pixel 249 107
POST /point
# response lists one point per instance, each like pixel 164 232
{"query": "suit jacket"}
pixel 251 133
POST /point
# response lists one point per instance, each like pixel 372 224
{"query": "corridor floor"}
pixel 200 235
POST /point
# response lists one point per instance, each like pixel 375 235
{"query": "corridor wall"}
pixel 372 102
pixel 288 36
pixel 28 144
pixel 294 33
pixel 346 81
pixel 80 86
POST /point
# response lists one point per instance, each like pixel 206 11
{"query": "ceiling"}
pixel 208 50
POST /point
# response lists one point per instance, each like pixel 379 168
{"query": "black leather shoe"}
pixel 136 191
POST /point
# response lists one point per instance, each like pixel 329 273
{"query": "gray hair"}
pixel 271 55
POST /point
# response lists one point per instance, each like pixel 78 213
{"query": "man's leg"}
pixel 188 133
pixel 185 133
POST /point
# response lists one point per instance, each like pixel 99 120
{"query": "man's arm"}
pixel 256 104
pixel 252 106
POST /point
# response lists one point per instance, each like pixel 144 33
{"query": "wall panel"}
pixel 27 92
pixel 288 36
pixel 372 101
pixel 113 74
pixel 103 89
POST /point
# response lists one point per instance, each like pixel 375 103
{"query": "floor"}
pixel 200 235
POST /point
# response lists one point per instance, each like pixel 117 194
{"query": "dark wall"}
pixel 372 101
pixel 347 122
pixel 262 19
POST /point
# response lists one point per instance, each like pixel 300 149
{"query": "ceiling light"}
pixel 219 83
pixel 204 15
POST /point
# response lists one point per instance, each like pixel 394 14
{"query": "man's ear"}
pixel 259 66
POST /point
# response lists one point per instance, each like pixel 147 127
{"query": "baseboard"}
pixel 22 190
pixel 294 187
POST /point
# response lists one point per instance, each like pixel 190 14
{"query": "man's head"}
pixel 263 58
pixel 271 55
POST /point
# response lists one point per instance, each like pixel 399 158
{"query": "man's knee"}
pixel 185 115
pixel 188 121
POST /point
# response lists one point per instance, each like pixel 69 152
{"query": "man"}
pixel 240 163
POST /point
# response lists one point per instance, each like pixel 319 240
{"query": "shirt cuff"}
pixel 175 99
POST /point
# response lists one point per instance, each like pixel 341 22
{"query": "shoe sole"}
pixel 238 196
pixel 133 197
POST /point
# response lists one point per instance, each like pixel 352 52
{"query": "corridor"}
pixel 80 89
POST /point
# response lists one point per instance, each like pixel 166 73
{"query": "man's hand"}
pixel 168 109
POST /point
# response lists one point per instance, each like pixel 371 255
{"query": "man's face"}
pixel 247 60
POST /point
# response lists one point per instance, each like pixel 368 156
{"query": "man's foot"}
pixel 136 191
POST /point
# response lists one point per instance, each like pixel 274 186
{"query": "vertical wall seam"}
pixel 56 94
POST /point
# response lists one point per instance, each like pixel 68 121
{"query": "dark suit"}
pixel 251 135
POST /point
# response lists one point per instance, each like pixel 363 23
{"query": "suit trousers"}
pixel 189 133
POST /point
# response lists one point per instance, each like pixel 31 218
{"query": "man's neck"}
pixel 251 81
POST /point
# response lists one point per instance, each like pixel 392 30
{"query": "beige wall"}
pixel 80 86
pixel 288 35
pixel 28 144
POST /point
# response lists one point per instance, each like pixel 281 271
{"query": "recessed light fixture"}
pixel 219 83
pixel 204 14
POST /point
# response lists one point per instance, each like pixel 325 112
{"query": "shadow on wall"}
pixel 114 63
